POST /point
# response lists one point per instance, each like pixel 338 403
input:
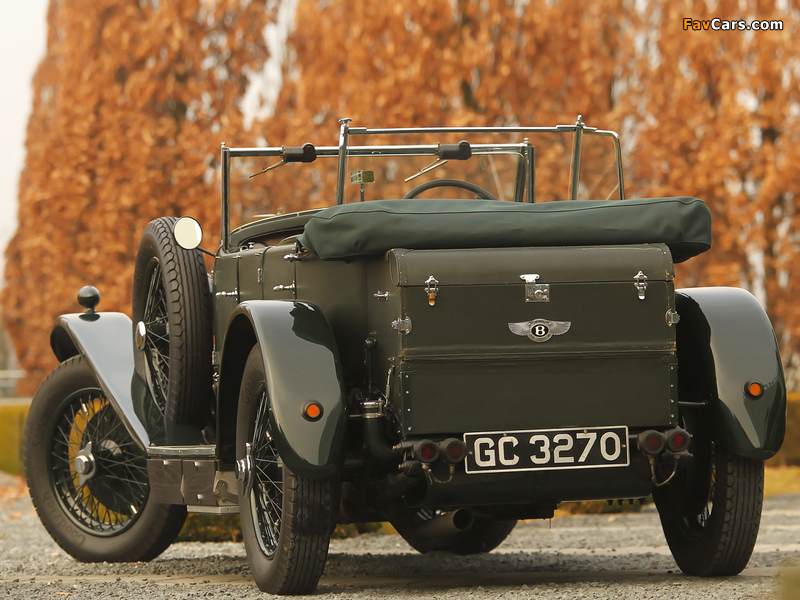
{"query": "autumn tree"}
pixel 133 99
pixel 131 103
pixel 717 116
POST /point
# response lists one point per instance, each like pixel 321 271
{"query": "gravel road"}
pixel 579 557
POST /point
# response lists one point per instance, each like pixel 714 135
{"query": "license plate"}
pixel 547 449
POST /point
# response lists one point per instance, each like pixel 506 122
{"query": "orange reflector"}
pixel 754 389
pixel 312 411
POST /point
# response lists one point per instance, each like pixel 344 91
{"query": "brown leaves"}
pixel 133 100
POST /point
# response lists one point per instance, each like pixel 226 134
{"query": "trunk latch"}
pixel 535 292
pixel 640 283
pixel 431 288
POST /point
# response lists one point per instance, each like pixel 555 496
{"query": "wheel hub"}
pixel 244 471
pixel 140 335
pixel 85 464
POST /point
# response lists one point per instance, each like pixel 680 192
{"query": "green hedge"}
pixel 12 425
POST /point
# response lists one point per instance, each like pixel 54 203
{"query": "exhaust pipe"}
pixel 445 525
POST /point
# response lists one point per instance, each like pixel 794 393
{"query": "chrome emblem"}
pixel 540 330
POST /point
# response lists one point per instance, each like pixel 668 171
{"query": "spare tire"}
pixel 172 323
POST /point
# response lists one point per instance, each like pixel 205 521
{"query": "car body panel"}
pixel 104 340
pixel 725 340
pixel 301 366
pixel 615 364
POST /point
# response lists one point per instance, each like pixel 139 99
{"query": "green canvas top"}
pixel 352 230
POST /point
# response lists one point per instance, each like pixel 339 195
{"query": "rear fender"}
pixel 725 340
pixel 301 364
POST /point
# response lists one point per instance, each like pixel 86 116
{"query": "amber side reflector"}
pixel 312 411
pixel 753 389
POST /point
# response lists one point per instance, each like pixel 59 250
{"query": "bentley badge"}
pixel 540 330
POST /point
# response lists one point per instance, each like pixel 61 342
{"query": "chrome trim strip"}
pixel 208 451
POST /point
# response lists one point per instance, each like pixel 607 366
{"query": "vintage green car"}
pixel 450 364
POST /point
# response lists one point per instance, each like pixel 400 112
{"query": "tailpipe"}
pixel 445 525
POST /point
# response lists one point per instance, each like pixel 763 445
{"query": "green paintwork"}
pixel 615 365
pixel 301 365
pixel 104 340
pixel 729 343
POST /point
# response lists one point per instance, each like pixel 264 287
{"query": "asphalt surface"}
pixel 578 557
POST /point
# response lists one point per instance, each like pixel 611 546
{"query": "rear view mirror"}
pixel 188 233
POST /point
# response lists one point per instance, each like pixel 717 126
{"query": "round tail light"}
pixel 426 451
pixel 651 441
pixel 678 440
pixel 453 450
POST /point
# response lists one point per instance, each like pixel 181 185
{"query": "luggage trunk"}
pixel 525 338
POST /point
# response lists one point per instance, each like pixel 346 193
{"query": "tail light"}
pixel 678 440
pixel 426 451
pixel 651 441
pixel 453 450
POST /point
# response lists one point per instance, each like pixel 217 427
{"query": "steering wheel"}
pixel 465 185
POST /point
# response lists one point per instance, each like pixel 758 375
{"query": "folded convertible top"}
pixel 352 230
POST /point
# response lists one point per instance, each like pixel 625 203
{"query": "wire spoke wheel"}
pixel 693 526
pixel 114 492
pixel 287 519
pixel 267 496
pixel 156 342
pixel 711 513
pixel 88 477
pixel 172 320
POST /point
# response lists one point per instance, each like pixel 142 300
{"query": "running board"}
pixel 191 475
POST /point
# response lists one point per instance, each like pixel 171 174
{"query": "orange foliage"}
pixel 133 99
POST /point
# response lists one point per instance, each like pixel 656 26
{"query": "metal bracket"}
pixel 672 317
pixel 640 283
pixel 299 253
pixel 535 292
pixel 402 325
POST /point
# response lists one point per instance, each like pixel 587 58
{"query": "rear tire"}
pixel 287 519
pixel 172 302
pixel 105 514
pixel 715 537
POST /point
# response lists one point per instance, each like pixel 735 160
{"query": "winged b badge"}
pixel 540 330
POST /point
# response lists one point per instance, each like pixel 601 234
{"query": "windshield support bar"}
pixel 576 159
pixel 225 193
pixel 530 161
pixel 343 138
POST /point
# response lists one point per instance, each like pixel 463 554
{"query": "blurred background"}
pixel 114 111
